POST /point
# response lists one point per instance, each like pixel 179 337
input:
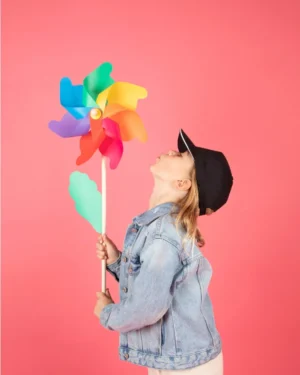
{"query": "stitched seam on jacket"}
pixel 124 348
pixel 201 304
pixel 171 307
pixel 134 242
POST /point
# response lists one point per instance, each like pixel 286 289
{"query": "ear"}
pixel 183 184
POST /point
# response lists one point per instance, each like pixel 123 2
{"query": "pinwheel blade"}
pixel 96 82
pixel 96 128
pixel 68 126
pixel 122 93
pixel 112 109
pixel 131 125
pixel 71 98
pixel 111 146
pixel 87 198
pixel 88 146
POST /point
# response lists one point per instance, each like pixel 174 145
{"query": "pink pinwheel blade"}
pixel 69 126
pixel 111 146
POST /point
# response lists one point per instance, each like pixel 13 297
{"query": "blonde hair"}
pixel 189 212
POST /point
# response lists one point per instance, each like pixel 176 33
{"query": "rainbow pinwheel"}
pixel 102 113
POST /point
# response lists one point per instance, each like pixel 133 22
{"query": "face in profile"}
pixel 173 165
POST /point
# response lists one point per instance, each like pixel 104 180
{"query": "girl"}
pixel 165 315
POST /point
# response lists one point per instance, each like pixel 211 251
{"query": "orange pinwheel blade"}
pixel 88 146
pixel 122 93
pixel 131 125
pixel 112 109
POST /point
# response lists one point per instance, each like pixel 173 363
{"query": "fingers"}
pixel 106 294
pixel 103 238
pixel 100 243
pixel 100 294
pixel 101 254
pixel 101 251
pixel 100 246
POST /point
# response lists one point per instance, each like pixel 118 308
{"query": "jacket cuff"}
pixel 114 268
pixel 104 315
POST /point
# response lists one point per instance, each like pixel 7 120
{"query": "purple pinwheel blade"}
pixel 68 126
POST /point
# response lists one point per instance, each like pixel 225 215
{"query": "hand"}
pixel 103 299
pixel 106 249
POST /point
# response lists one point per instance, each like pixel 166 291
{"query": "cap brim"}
pixel 185 144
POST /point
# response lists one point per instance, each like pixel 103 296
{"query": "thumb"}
pixel 105 238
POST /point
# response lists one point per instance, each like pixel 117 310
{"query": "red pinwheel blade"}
pixel 88 146
pixel 111 146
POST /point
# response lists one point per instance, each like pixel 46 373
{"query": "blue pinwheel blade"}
pixel 71 98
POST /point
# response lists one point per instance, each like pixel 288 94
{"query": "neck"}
pixel 162 193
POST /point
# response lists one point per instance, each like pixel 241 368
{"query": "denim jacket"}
pixel 165 315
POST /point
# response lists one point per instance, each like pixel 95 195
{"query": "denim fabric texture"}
pixel 165 316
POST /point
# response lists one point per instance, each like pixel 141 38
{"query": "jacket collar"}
pixel 154 213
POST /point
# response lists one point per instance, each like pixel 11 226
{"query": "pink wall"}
pixel 228 73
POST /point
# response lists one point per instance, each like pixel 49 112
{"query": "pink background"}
pixel 228 73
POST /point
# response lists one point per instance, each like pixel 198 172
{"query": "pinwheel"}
pixel 102 113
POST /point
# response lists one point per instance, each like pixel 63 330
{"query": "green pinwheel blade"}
pixel 87 198
pixel 96 82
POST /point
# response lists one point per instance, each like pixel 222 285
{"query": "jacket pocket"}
pixel 151 338
pixel 135 340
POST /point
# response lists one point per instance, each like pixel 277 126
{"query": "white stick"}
pixel 103 262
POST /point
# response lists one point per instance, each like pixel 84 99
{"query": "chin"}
pixel 153 168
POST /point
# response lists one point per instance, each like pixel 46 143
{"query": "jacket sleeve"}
pixel 114 268
pixel 152 290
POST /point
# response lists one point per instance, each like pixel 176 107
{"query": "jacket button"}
pixel 125 290
pixel 126 355
pixel 124 259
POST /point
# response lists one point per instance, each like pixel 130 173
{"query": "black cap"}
pixel 213 174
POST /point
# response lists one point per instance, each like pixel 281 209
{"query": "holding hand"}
pixel 106 249
pixel 103 299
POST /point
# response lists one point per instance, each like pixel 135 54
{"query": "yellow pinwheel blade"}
pixel 123 93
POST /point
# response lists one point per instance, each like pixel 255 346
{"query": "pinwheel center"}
pixel 96 113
